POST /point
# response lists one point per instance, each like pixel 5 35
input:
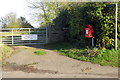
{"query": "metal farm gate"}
pixel 23 36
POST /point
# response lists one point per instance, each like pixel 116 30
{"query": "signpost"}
pixel 116 17
pixel 116 13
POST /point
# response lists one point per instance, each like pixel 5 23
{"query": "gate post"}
pixel 12 38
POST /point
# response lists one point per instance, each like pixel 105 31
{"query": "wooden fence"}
pixel 56 34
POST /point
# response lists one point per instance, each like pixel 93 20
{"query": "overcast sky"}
pixel 17 6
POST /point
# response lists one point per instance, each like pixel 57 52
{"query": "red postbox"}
pixel 89 31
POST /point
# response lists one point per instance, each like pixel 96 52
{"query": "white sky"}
pixel 17 6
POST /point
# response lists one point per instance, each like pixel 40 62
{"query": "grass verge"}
pixel 6 52
pixel 99 56
pixel 104 57
pixel 41 52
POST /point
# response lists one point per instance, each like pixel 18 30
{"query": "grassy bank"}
pixel 6 51
pixel 99 56
pixel 102 57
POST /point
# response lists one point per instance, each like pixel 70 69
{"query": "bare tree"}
pixel 44 12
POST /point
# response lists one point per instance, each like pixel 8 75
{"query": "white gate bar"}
pixel 116 13
pixel 20 28
pixel 27 43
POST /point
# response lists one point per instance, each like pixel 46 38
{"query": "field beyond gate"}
pixel 23 36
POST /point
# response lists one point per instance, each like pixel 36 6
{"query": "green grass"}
pixel 41 52
pixel 107 57
pixel 103 56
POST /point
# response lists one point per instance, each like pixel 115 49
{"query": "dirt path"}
pixel 26 64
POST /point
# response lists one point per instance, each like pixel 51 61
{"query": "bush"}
pixel 98 15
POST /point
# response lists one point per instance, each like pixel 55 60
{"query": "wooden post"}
pixel 92 42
